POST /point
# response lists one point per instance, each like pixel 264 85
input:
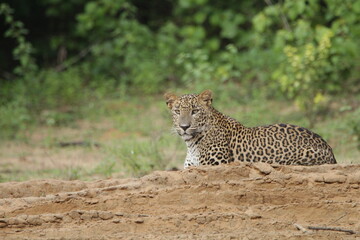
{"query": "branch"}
pixel 74 60
pixel 82 54
pixel 339 218
pixel 332 229
pixel 79 143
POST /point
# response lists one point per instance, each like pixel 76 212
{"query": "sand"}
pixel 236 201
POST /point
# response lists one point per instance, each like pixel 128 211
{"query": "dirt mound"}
pixel 237 201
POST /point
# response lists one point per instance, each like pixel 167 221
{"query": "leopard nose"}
pixel 184 127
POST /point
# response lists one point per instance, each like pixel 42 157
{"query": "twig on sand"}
pixel 339 218
pixel 304 230
pixel 332 229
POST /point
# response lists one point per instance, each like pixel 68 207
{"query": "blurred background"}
pixel 81 82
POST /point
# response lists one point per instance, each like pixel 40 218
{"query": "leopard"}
pixel 212 138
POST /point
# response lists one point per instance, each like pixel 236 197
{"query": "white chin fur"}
pixel 186 137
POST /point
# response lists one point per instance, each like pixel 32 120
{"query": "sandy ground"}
pixel 237 201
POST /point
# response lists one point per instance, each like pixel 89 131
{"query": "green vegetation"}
pixel 109 62
pixel 135 138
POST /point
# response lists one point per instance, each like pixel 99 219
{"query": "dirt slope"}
pixel 238 201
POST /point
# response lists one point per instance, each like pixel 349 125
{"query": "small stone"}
pixel 211 218
pixel 92 201
pixel 23 216
pixel 255 216
pixel 178 223
pixel 139 221
pixel 16 221
pixel 34 220
pixel 119 214
pixel 106 215
pixel 86 216
pixel 354 178
pixel 74 214
pixel 252 215
pixel 91 193
pixel 264 168
pixel 112 188
pixel 61 197
pixel 3 224
pixel 58 216
pixel 48 218
pixel 116 220
pixel 67 219
pixel 94 213
pixel 319 178
pixel 201 220
pixel 330 178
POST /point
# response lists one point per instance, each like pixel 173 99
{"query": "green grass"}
pixel 135 137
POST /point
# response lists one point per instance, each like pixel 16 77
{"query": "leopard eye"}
pixel 195 111
pixel 177 112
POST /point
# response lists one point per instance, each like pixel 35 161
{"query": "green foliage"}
pixel 307 51
pixel 51 90
pixel 121 44
pixel 198 67
pixel 143 147
pixel 178 51
pixel 23 51
pixel 306 73
pixel 316 54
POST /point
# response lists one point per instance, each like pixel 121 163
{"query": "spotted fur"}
pixel 213 138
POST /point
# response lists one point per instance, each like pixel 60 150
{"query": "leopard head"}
pixel 190 112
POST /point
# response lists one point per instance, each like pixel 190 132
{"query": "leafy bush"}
pixel 124 48
pixel 316 54
pixel 306 73
pixel 52 90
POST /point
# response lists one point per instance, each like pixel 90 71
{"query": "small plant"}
pixel 105 168
pixel 73 173
pixel 139 157
pixel 354 124
pixel 14 118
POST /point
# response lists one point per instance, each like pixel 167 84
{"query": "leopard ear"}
pixel 170 99
pixel 206 97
